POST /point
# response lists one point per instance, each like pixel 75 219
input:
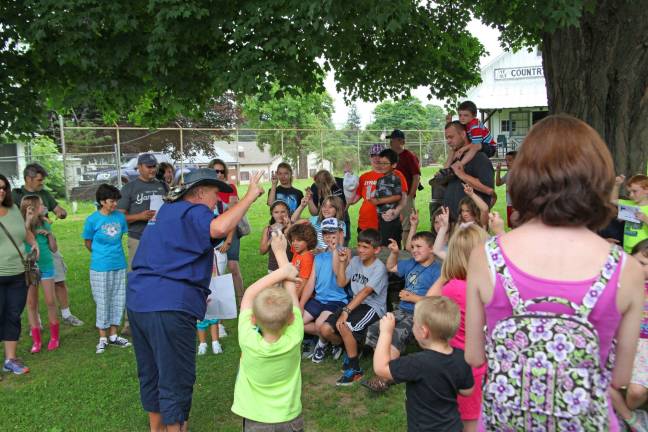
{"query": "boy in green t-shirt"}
pixel 637 187
pixel 271 330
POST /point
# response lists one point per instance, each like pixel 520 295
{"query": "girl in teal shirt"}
pixel 33 212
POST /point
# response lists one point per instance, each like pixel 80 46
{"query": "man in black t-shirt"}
pixel 478 173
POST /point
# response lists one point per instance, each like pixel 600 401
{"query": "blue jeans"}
pixel 165 350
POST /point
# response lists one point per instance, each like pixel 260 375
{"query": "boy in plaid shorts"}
pixel 103 232
pixel 420 272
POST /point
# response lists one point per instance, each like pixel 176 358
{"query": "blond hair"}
pixel 37 218
pixel 272 309
pixel 460 246
pixel 439 314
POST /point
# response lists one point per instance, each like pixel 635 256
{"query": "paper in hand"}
pixel 628 213
pixel 155 202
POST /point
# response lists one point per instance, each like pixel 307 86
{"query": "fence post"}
pixel 358 147
pixel 181 154
pixel 118 156
pixel 282 147
pixel 322 152
pixel 65 181
pixel 420 134
pixel 238 162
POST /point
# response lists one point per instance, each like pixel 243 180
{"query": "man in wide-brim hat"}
pixel 168 288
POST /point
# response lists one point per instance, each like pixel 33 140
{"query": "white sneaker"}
pixel 101 346
pixel 217 348
pixel 202 349
pixel 221 331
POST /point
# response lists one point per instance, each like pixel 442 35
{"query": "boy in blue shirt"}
pixel 329 296
pixel 102 233
pixel 420 272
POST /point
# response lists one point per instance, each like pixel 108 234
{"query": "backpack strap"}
pixel 498 265
pixel 595 291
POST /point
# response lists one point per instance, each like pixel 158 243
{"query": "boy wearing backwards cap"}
pixel 329 296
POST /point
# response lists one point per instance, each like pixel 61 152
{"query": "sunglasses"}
pixel 4 187
pixel 219 171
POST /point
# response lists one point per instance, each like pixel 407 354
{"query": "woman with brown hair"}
pixel 13 288
pixel 554 292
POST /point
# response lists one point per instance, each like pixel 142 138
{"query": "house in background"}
pixel 512 96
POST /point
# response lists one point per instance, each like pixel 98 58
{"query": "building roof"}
pixel 511 80
pixel 252 155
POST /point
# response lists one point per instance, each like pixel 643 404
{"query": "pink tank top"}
pixel 604 317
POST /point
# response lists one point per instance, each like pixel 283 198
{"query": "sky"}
pixel 488 38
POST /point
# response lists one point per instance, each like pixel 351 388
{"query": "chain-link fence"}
pixel 80 158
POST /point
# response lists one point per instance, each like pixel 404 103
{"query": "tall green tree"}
pixel 407 113
pixel 301 115
pixel 353 122
pixel 171 57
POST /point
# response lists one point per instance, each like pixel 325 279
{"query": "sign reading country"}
pixel 518 73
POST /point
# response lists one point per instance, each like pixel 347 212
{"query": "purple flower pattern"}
pixel 544 370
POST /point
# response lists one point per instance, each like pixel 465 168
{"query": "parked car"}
pixel 128 170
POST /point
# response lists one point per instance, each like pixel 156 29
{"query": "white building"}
pixel 512 96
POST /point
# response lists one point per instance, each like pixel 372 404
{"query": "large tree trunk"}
pixel 598 72
pixel 302 158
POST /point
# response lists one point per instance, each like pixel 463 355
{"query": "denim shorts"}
pixel 48 274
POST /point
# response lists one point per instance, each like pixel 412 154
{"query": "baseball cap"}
pixel 396 133
pixel 147 159
pixel 376 149
pixel 332 225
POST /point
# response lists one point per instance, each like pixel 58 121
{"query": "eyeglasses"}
pixel 219 171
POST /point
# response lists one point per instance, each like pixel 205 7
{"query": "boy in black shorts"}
pixel 368 278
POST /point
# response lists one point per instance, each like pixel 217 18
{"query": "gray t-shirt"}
pixel 135 198
pixel 373 276
pixel 386 186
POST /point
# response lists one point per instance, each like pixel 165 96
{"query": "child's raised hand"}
pixel 468 190
pixel 414 219
pixel 498 167
pixel 274 179
pixel 343 254
pixel 444 217
pixel 387 323
pixel 495 223
pixel 393 246
pixel 278 242
pixel 619 180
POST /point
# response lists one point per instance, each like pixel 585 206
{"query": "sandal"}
pixel 376 384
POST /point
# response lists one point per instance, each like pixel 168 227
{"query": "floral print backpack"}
pixel 544 371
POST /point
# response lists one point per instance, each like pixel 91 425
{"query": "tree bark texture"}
pixel 598 72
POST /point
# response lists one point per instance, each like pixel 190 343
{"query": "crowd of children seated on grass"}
pixel 556 298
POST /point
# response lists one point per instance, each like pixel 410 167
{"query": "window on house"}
pixel 241 154
pixel 245 176
pixel 507 126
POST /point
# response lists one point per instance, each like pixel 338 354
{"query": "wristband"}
pixel 346 309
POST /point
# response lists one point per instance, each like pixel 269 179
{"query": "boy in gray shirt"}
pixel 368 278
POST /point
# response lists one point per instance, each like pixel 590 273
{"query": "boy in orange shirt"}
pixel 368 215
pixel 303 239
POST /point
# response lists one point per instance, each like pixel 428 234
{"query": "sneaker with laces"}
pixel 202 349
pixel 73 321
pixel 307 349
pixel 119 341
pixel 319 353
pixel 336 351
pixel 349 376
pixel 217 348
pixel 15 366
pixel 101 346
pixel 221 331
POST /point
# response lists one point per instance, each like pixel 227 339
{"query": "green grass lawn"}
pixel 73 389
